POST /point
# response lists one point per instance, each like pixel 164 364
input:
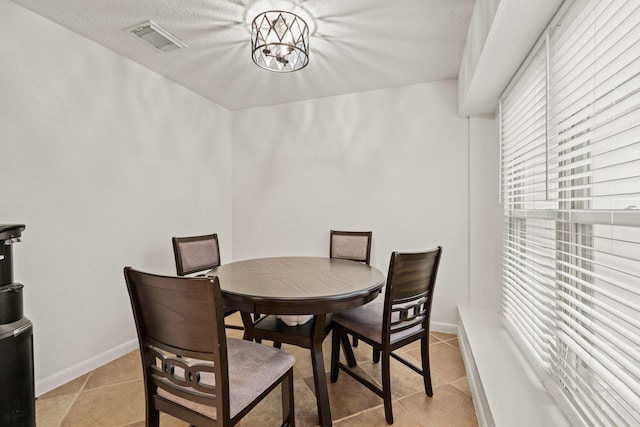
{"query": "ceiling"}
pixel 357 45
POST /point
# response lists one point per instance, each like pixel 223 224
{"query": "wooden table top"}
pixel 297 285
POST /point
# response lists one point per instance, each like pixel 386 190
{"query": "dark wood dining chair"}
pixel 352 245
pixel 395 319
pixel 191 370
pixel 196 255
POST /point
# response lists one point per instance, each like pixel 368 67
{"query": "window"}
pixel 570 155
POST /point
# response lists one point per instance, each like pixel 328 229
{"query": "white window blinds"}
pixel 529 240
pixel 570 130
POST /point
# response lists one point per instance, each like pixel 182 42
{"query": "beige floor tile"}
pixel 362 352
pixel 442 336
pixel 234 333
pixel 462 384
pixel 269 411
pixel 453 343
pixel 375 418
pixel 233 319
pixel 303 357
pixel 169 421
pixel 437 380
pixel 72 387
pixel 432 339
pixel 404 381
pixel 165 421
pixel 109 406
pixel 445 361
pixel 124 369
pixel 51 411
pixel 347 396
pixel 448 407
pixel 306 405
pixel 113 395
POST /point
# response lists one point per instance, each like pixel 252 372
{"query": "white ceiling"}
pixel 357 45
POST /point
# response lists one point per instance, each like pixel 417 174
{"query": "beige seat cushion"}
pixel 252 369
pixel 367 321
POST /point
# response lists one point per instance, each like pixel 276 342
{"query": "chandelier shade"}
pixel 280 41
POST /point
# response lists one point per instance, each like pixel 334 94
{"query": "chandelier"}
pixel 280 41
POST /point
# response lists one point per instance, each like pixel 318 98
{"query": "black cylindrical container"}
pixel 17 388
pixel 10 303
pixel 6 263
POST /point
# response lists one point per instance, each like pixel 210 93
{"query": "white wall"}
pixel 485 218
pixel 392 161
pixel 103 161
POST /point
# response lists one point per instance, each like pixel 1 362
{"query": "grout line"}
pixel 451 345
pixel 86 380
pixel 83 390
pixel 73 402
pixel 361 412
pixel 102 387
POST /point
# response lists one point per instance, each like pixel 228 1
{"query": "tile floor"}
pixel 112 395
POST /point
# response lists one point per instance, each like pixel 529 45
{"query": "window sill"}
pixel 505 390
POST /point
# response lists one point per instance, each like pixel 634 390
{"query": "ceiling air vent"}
pixel 156 36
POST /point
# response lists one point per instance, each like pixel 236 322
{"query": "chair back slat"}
pixel 181 334
pixel 351 245
pixel 409 293
pixel 195 254
pixel 183 372
pixel 408 312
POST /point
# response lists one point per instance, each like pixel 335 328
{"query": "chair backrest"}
pixel 409 292
pixel 352 245
pixel 181 335
pixel 195 254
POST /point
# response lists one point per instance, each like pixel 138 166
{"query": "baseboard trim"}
pixel 59 378
pixel 445 328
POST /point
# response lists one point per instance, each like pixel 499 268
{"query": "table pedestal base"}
pixel 308 335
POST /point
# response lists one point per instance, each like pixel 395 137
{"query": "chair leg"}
pixel 348 351
pixel 376 356
pixel 426 368
pixel 153 417
pixel 277 344
pixel 288 417
pixel 386 387
pixel 335 354
pixel 355 341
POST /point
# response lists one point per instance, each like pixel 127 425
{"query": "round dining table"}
pixel 315 286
